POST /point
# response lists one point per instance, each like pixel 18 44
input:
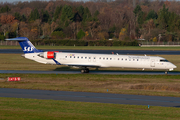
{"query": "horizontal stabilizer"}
pixel 18 39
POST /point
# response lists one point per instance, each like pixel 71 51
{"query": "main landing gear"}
pixel 85 70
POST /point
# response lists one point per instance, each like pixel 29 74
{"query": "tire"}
pixel 82 71
pixel 87 70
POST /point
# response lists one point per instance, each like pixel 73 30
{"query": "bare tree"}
pixel 5 28
pixel 46 28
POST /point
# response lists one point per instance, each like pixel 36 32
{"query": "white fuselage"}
pixel 105 60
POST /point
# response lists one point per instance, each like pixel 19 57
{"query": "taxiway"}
pixel 91 97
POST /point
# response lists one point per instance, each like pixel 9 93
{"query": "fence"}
pixel 160 43
pixel 15 43
pixel 9 43
pixel 74 43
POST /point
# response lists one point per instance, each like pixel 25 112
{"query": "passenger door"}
pixel 152 63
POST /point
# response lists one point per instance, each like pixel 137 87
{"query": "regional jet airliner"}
pixel 86 60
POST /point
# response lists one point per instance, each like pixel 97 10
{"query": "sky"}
pixel 10 1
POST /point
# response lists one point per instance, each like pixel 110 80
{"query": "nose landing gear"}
pixel 166 72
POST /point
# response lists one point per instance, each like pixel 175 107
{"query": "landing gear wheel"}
pixel 85 70
pixel 82 71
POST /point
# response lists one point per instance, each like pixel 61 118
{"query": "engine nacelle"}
pixel 48 54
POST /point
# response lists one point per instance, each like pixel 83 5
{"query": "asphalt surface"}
pixel 124 52
pixel 91 97
pixel 92 72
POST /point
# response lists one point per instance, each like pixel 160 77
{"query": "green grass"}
pixel 16 62
pixel 27 109
pixel 158 85
pixel 96 48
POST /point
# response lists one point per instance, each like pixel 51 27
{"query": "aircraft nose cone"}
pixel 174 66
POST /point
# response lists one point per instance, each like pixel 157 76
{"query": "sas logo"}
pixel 28 49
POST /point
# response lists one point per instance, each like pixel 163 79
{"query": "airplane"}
pixel 87 60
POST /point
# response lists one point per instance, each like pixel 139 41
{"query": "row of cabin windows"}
pixel 162 60
pixel 103 58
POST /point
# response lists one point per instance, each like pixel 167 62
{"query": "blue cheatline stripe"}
pixel 57 63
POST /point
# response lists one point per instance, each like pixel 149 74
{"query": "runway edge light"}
pixel 14 79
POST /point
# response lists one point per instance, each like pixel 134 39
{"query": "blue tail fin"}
pixel 26 45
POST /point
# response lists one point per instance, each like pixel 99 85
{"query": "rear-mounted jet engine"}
pixel 47 55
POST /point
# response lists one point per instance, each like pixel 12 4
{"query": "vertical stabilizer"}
pixel 25 44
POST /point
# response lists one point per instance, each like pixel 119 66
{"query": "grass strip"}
pixel 96 48
pixel 27 109
pixel 156 85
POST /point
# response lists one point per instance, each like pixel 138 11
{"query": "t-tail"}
pixel 26 45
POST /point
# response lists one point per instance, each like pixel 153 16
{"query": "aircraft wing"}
pixel 82 65
pixel 77 65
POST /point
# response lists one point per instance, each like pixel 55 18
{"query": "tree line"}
pixel 157 21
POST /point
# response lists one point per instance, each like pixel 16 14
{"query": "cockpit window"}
pixel 164 60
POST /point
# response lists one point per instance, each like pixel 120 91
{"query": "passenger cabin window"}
pixel 103 58
pixel 78 57
pixel 70 56
pixel 65 56
pixel 164 60
pixel 74 56
pixel 81 57
pixel 110 58
pixel 106 58
pixel 85 57
pixel 122 59
pixel 100 58
pixel 89 57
